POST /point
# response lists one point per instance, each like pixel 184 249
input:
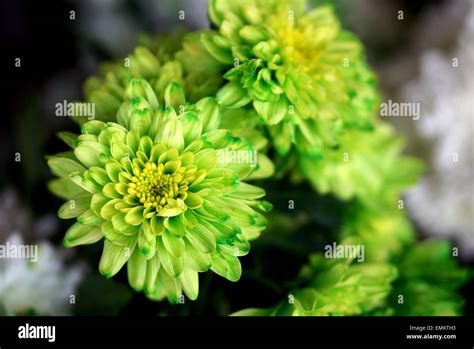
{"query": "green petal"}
pixel 114 257
pixel 146 240
pixel 175 225
pixel 75 206
pixel 192 127
pixel 152 269
pixel 113 170
pixel 166 286
pixel 272 112
pixel 64 188
pixel 206 159
pixel 97 202
pixel 119 224
pixel 134 216
pixel 90 218
pixel 202 239
pixel 146 145
pixel 108 210
pixel 62 167
pixel 88 153
pixel 80 234
pixel 210 115
pixel 156 225
pixel 171 133
pixel 99 175
pixel 190 283
pixel 199 261
pixel 141 88
pixel 248 191
pixel 136 270
pixel 173 243
pixel 174 96
pixel 120 150
pixel 253 34
pixel 219 53
pixel 110 192
pixel 69 138
pixel 173 265
pixel 232 95
pixel 193 200
pixel 226 266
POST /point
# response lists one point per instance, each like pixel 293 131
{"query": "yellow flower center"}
pixel 155 188
pixel 298 48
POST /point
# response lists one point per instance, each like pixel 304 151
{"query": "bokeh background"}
pixel 413 58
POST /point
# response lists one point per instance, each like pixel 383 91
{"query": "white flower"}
pixel 442 202
pixel 43 287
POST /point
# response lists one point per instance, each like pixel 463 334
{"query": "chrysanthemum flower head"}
pixel 153 186
pixel 305 76
pixel 337 287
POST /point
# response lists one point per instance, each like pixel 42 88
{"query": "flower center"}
pixel 156 187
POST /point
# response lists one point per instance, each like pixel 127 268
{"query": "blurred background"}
pixel 415 58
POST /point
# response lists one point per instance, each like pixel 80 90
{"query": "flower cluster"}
pixel 147 178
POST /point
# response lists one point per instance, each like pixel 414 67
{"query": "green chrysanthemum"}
pixel 367 165
pixel 335 287
pixel 305 76
pixel 429 279
pixel 153 61
pixel 153 186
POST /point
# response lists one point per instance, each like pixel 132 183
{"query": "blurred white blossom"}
pixel 43 287
pixel 443 201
